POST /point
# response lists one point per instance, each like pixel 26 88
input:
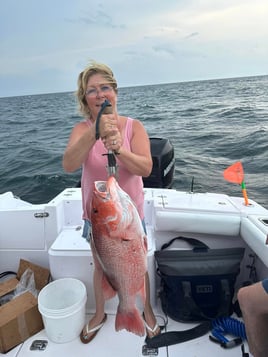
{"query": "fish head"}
pixel 106 206
pixel 113 211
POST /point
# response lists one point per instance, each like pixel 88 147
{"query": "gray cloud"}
pixel 98 18
pixel 193 34
pixel 165 49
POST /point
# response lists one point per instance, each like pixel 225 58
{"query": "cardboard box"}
pixel 20 318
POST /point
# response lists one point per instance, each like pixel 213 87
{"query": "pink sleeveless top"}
pixel 94 169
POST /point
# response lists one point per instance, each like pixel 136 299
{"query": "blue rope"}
pixel 223 325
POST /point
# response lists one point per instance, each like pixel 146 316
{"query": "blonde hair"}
pixel 90 70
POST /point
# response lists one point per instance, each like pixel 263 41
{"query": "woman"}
pixel 128 139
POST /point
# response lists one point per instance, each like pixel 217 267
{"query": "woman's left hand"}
pixel 114 141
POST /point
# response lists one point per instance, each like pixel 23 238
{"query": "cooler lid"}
pixel 70 239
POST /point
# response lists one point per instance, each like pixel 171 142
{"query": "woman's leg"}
pixel 149 316
pixel 99 299
pixel 253 301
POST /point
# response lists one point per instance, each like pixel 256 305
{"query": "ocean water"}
pixel 211 124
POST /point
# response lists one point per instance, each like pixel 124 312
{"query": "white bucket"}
pixel 62 304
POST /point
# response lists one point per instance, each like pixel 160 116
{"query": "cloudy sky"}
pixel 45 44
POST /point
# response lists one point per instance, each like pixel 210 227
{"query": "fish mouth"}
pixel 101 189
pixel 101 186
pixel 106 189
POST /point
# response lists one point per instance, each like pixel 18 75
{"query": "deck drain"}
pixel 39 345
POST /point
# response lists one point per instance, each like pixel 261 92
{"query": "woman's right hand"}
pixel 108 125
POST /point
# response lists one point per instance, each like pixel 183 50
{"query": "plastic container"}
pixel 62 305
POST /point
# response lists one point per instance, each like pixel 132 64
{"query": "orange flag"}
pixel 235 174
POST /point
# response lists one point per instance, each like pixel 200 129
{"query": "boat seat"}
pixel 197 213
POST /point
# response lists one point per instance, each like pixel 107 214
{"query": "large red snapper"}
pixel 120 248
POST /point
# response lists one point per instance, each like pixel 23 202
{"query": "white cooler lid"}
pixel 70 239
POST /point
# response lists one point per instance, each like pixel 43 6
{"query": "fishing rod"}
pixel 112 167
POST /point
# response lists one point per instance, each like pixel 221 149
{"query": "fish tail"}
pixel 131 321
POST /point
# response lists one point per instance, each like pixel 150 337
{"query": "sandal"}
pixel 84 337
pixel 152 332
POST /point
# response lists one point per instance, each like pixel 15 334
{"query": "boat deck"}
pixel 108 342
pixel 218 220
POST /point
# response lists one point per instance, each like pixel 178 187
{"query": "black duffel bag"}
pixel 197 284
